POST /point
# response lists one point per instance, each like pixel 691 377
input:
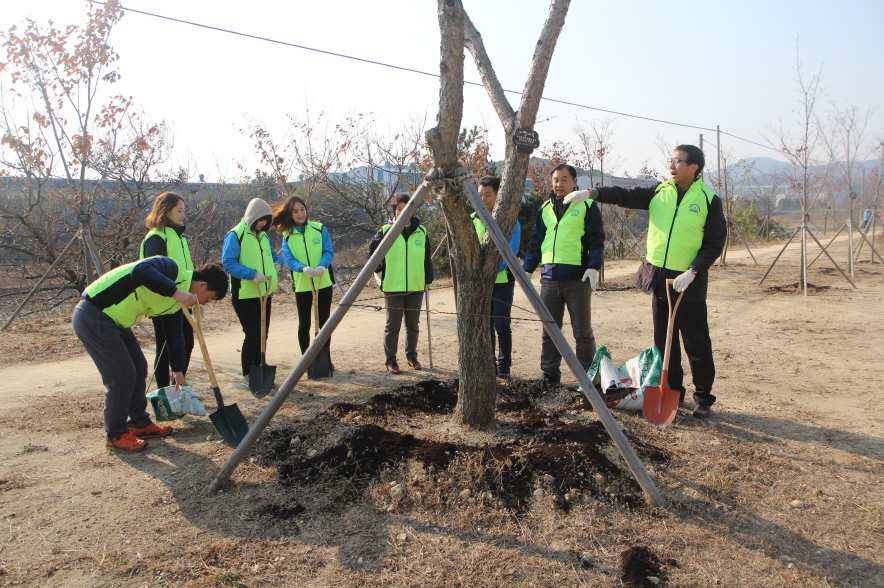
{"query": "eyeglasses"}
pixel 674 161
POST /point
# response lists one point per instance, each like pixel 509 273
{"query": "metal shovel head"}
pixel 230 422
pixel 661 403
pixel 261 378
pixel 321 366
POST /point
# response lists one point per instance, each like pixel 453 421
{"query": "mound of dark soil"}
pixel 351 447
pixel 638 563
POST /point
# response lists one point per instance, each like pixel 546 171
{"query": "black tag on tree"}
pixel 526 140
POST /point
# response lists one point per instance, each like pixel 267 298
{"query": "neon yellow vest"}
pixel 256 255
pixel 563 240
pixel 306 247
pixel 176 246
pixel 501 277
pixel 142 301
pixel 404 263
pixel 685 221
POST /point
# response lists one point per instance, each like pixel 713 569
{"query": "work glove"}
pixel 592 275
pixel 581 196
pixel 259 278
pixel 378 279
pixel 185 298
pixel 681 283
pixel 278 266
pixel 308 271
pixel 320 269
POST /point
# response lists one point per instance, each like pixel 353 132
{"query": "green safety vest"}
pixel 306 247
pixel 141 301
pixel 256 255
pixel 404 263
pixel 176 246
pixel 685 221
pixel 563 242
pixel 501 277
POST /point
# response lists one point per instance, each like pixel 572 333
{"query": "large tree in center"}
pixel 477 263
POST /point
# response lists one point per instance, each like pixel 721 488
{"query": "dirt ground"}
pixel 782 487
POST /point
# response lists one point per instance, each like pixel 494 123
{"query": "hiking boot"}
pixel 702 411
pixel 503 373
pixel 415 364
pixel 151 431
pixel 127 444
pixel 393 368
pixel 245 381
pixel 547 383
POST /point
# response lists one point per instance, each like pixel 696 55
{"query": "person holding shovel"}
pixel 252 265
pixel 405 271
pixel 308 252
pixel 166 238
pixel 504 282
pixel 567 241
pixel 156 286
pixel 686 234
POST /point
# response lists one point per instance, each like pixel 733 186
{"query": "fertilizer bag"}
pixel 170 404
pixel 630 378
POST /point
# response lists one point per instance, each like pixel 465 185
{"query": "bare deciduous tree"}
pixel 477 263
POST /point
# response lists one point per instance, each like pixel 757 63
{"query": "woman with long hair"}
pixel 166 238
pixel 252 265
pixel 308 252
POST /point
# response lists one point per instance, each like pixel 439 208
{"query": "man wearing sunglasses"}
pixel 686 234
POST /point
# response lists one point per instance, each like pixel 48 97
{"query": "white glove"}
pixel 259 278
pixel 592 275
pixel 681 283
pixel 378 279
pixel 580 196
pixel 308 271
pixel 278 266
pixel 320 269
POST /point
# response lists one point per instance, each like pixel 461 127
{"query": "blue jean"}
pixel 501 309
pixel 122 366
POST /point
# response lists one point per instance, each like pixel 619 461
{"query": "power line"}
pixel 425 73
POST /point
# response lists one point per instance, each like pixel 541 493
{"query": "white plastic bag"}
pixel 170 404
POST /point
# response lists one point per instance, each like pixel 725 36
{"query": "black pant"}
pixel 248 311
pixel 304 301
pixel 161 360
pixel 690 321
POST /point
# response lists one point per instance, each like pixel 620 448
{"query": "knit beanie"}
pixel 255 211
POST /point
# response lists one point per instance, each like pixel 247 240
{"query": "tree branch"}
pixel 474 44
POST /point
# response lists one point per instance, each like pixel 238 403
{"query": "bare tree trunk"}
pixel 476 264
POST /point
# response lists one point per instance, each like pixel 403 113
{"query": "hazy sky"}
pixel 727 63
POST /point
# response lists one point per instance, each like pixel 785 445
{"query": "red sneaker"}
pixel 151 431
pixel 127 443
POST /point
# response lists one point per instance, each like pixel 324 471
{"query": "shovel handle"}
pixel 203 348
pixel 671 326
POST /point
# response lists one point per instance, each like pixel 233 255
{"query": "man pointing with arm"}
pixel 686 234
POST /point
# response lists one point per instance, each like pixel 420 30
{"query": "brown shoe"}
pixel 393 368
pixel 415 364
pixel 702 412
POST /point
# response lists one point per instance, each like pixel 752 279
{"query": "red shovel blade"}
pixel 661 403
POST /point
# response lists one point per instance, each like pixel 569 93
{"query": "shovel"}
pixel 262 376
pixel 228 420
pixel 661 402
pixel 321 366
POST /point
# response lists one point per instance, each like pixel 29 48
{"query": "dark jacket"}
pixel 592 245
pixel 714 234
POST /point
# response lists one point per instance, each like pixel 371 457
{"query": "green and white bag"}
pixel 170 404
pixel 636 374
